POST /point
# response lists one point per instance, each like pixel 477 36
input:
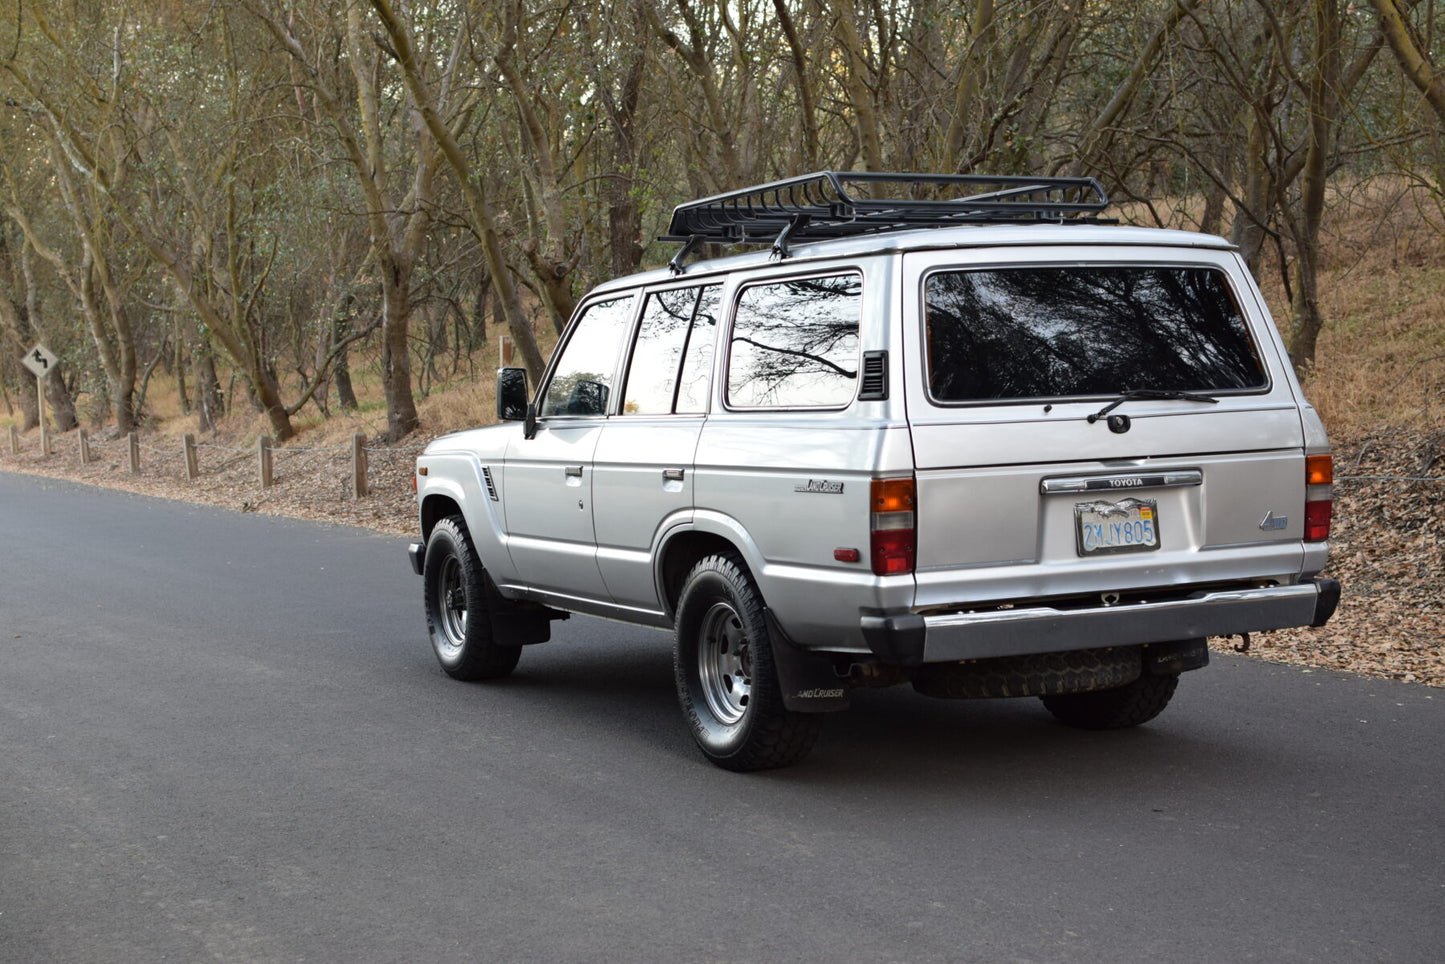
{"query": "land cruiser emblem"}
pixel 826 486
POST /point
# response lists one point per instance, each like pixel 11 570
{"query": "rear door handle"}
pixel 672 475
pixel 573 471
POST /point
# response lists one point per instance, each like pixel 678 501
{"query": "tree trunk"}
pixel 1414 62
pixel 472 185
pixel 29 410
pixel 807 100
pixel 1213 217
pixel 182 364
pixel 401 416
pixel 970 76
pixel 17 323
pixel 16 339
pixel 1248 230
pixel 341 367
pixel 1100 133
pixel 210 403
pixel 62 405
pixel 855 83
pixel 546 255
pixel 694 56
pixel 1324 107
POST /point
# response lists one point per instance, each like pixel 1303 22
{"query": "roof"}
pixel 987 235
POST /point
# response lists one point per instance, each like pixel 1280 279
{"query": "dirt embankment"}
pixel 1388 546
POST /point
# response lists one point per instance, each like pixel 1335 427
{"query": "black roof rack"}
pixel 834 204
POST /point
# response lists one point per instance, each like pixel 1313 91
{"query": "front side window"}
pixel 1051 332
pixel 795 344
pixel 582 378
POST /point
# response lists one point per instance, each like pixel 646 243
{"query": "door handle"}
pixel 573 471
pixel 672 475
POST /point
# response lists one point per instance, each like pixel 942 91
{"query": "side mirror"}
pixel 511 394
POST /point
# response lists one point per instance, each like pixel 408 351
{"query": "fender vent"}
pixel 491 486
pixel 875 376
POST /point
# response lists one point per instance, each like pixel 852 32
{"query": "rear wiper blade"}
pixel 1129 393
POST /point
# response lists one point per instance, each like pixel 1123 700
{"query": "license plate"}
pixel 1130 525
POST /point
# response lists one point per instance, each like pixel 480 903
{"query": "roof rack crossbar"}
pixel 761 214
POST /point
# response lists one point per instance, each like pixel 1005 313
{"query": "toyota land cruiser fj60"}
pixel 952 431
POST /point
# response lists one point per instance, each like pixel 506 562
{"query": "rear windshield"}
pixel 1052 332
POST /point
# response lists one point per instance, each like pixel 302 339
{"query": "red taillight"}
pixel 891 541
pixel 1317 520
pixel 1319 497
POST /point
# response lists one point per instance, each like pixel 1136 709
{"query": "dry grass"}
pixel 1381 358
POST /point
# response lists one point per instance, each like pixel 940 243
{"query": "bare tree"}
pixel 431 103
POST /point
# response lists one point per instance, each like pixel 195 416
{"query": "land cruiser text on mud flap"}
pixel 953 431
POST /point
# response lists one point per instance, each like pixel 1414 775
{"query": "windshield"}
pixel 1058 332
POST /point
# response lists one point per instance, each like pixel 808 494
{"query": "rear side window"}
pixel 795 344
pixel 1050 332
pixel 675 335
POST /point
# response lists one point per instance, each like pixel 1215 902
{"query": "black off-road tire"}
pixel 456 591
pixel 1114 709
pixel 726 680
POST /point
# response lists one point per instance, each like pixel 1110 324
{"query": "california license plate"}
pixel 1130 525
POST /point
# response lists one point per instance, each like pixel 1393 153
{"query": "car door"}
pixel 642 481
pixel 549 476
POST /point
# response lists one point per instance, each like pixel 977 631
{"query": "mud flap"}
pixel 807 681
pixel 518 622
pixel 1329 598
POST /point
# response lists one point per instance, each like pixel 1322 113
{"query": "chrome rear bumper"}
pixel 912 639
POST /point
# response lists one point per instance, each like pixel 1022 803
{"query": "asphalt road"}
pixel 223 737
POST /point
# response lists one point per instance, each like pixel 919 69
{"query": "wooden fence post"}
pixel 84 447
pixel 14 440
pixel 358 464
pixel 263 460
pixel 134 447
pixel 193 467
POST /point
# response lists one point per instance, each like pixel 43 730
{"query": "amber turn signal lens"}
pixel 1319 470
pixel 892 495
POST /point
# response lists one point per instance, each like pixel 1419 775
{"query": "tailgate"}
pixel 1176 500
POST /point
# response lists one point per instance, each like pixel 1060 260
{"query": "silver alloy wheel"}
pixel 725 664
pixel 453 606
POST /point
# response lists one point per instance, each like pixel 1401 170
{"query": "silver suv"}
pixel 958 432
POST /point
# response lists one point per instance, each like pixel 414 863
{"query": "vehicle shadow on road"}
pixel 1012 750
pixel 980 748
